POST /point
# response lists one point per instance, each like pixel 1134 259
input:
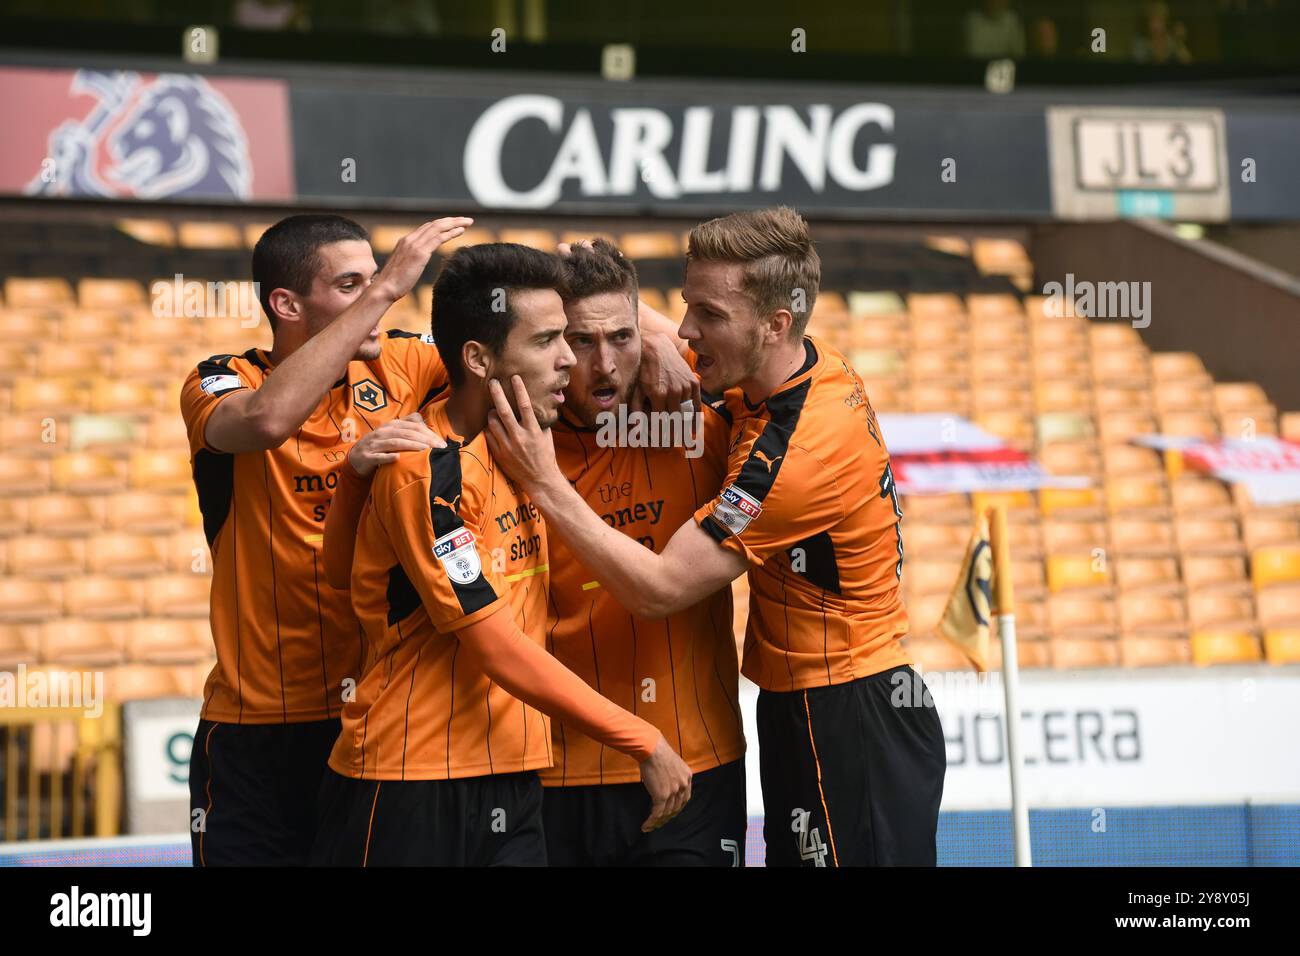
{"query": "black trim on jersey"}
pixel 433 392
pixel 809 360
pixel 403 599
pixel 445 483
pixel 252 356
pixel 718 403
pixel 714 529
pixel 818 561
pixel 405 334
pixel 757 475
pixel 214 480
pixel 218 365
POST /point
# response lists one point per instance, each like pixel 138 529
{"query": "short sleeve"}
pixel 419 362
pixel 441 552
pixel 205 388
pixel 769 505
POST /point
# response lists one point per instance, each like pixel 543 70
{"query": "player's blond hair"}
pixel 782 268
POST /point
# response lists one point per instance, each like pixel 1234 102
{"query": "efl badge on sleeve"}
pixel 459 556
pixel 736 509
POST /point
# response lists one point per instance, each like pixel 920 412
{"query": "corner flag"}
pixel 965 620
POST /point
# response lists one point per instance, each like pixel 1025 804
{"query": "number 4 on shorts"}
pixel 810 839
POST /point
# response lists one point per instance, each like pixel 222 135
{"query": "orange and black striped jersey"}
pixel 445 540
pixel 285 640
pixel 680 672
pixel 809 500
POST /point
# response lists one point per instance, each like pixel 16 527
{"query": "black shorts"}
pixel 600 825
pixel 849 777
pixel 475 821
pixel 253 790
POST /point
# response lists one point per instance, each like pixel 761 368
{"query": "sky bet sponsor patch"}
pixel 216 384
pixel 736 509
pixel 458 555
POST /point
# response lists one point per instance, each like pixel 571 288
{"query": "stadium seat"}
pixel 1261 530
pixel 1062 536
pixel 470 237
pixel 1279 606
pixel 68 359
pixel 38 293
pixel 92 327
pixel 934 654
pixel 116 396
pixel 1141 536
pixel 209 235
pixel 143 682
pixel 1282 645
pixel 110 293
pixel 935 304
pixel 1064 426
pixel 1148 574
pixel 88 473
pixel 21 327
pixel 1196 535
pixel 1154 651
pixel 70 641
pixel 65 515
pixel 178 595
pixel 253 232
pixel 43 556
pixel 151 363
pixel 1016 428
pixel 544 239
pixel 1275 565
pixel 29 434
pixel 126 555
pixel 650 245
pixel 936 540
pixel 1289 426
pixel 23 476
pixel 101 597
pixel 160 471
pixel 930 575
pixel 1183 396
pixel 154 232
pixel 1213 572
pixel 1137 496
pixel 952 245
pixel 954 508
pixel 187 552
pixel 1074 653
pixel 1239 397
pixel 983 305
pixel 28 599
pixel 1082 614
pixel 1125 367
pixel 13 516
pixel 1105 337
pixel 1081 503
pixel 1121 426
pixel 1214 611
pixel 49 397
pixel 1225 647
pixel 1178 366
pixel 1064 396
pixel 145 511
pixel 1072 572
pixel 192 678
pixel 19 644
pixel 1189 424
pixel 146 327
pixel 1141 613
pixel 167 641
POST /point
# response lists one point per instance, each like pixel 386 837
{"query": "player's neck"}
pixel 779 363
pixel 283 344
pixel 467 410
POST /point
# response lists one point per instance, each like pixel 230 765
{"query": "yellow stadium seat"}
pixel 126 555
pixel 92 327
pixel 1238 396
pixel 1282 645
pixel 939 368
pixel 1000 367
pixel 1070 458
pixel 38 293
pixel 1068 572
pixel 1066 396
pixel 1154 651
pixel 15 364
pixel 1073 653
pixel 1002 398
pixel 940 399
pixel 27 599
pixel 178 595
pixel 65 515
pixel 87 473
pixel 1279 606
pixel 935 540
pixel 1055 427
pixel 22 327
pixel 650 245
pixel 210 235
pixel 160 471
pixel 1149 574
pixel 1289 426
pixel 1144 613
pixel 1225 647
pixel 23 476
pixel 1117 427
pixel 1141 536
pixel 1058 342
pixel 939 332
pixel 143 682
pixel 110 293
pixel 168 641
pixel 88 643
pixel 150 363
pixel 996 256
pixel 19 644
pixel 1110 397
pixel 101 598
pixel 1275 565
pixel 154 232
pixel 144 326
pixel 1063 502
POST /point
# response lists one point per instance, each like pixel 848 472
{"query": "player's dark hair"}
pixel 472 296
pixel 288 254
pixel 597 270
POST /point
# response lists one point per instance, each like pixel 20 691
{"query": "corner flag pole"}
pixel 1006 611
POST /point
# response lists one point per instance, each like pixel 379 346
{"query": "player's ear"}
pixel 477 358
pixel 778 325
pixel 285 305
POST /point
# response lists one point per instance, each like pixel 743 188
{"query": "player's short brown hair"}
pixel 599 269
pixel 782 268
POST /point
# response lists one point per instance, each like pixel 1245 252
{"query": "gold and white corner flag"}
pixel 965 620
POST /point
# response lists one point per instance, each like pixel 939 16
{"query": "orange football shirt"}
pixel 286 640
pixel 809 500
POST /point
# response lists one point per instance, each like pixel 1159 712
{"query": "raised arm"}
pixel 257 419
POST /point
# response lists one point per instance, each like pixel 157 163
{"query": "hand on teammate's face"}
pixel 665 378
pixel 410 257
pixel 385 443
pixel 517 442
pixel 668 779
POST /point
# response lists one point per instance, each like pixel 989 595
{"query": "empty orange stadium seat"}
pixel 936 654
pixel 1239 396
pixel 65 514
pixel 92 327
pixel 983 304
pixel 1183 396
pixel 145 511
pixel 1175 366
pixel 1282 645
pixel 168 641
pixel 1082 613
pixel 1219 611
pixel 26 599
pixel 1053 396
pixel 210 235
pixel 1150 574
pixel 160 470
pixel 13 516
pixel 1191 424
pixel 930 575
pixel 1289 426
pixel 1214 572
pixel 87 643
pixel 1125 366
pixel 1154 651
pixel 1000 256
pixel 1148 496
pixel 945 304
pixel 110 293
pixel 23 327
pixel 936 540
pixel 1279 606
pixel 1062 536
pixel 1064 502
pixel 178 595
pixel 101 597
pixel 1108 338
pixel 23 476
pixel 1275 565
pixel 187 552
pixel 147 362
pixel 43 556
pixel 1207 535
pixel 19 644
pixel 38 293
pixel 49 397
pixel 650 245
pixel 154 232
pixel 1141 536
pixel 29 433
pixel 1070 653
pixel 126 555
pixel 109 396
pixel 1225 647
pixel 1161 613
pixel 1069 572
pixel 1123 426
pixel 1261 530
pixel 88 473
pixel 946 508
pixel 1110 397
pixel 69 359
pixel 143 682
